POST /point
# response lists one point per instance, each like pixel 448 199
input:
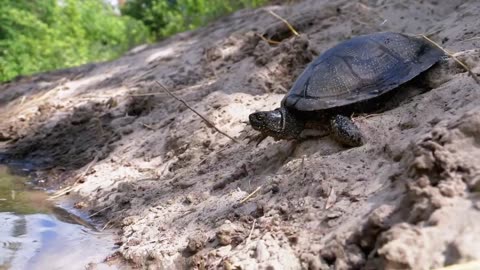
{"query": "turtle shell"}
pixel 359 69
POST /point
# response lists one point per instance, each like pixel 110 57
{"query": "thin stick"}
pixel 106 224
pixel 285 21
pixel 267 40
pixel 62 192
pixel 209 123
pixel 124 95
pixel 473 38
pixel 68 189
pixel 147 126
pixel 250 195
pixel 330 199
pixel 251 231
pixel 99 211
pixel 474 76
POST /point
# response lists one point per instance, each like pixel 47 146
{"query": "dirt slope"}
pixel 408 199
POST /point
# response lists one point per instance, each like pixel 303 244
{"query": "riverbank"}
pixel 175 188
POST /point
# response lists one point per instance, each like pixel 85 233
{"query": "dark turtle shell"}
pixel 359 69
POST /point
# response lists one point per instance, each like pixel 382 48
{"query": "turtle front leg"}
pixel 345 131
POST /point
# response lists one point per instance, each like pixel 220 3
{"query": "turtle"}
pixel 358 75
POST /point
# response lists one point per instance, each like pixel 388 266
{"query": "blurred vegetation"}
pixel 44 35
pixel 167 17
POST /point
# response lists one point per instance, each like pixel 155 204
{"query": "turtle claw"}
pixel 258 139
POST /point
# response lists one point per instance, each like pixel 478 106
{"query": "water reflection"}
pixel 36 234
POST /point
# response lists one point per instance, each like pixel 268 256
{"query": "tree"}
pixel 50 34
pixel 167 17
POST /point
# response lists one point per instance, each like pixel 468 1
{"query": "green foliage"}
pixel 167 17
pixel 43 35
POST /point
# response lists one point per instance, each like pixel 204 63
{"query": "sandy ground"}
pixel 408 199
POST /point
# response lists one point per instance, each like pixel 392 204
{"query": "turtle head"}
pixel 278 123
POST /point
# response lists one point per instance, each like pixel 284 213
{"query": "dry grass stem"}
pixel 250 195
pixel 269 41
pixel 473 38
pixel 65 191
pixel 147 126
pixel 209 123
pixel 99 211
pixel 106 225
pixel 251 232
pixel 61 192
pixel 332 198
pixel 474 76
pixel 286 22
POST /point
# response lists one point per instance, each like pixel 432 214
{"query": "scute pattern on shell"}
pixel 359 69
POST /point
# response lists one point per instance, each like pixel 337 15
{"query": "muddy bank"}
pixel 173 186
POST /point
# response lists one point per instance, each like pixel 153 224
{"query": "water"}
pixel 38 234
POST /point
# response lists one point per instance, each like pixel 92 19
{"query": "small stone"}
pixel 80 205
pixel 312 262
pixel 190 199
pixel 423 163
pixel 224 251
pixel 476 205
pixel 133 242
pixel 196 243
pixel 224 239
pixel 423 182
pixel 225 233
pixel 334 214
pixel 447 191
pixel 261 252
pixel 474 184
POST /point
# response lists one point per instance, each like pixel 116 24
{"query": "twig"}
pixel 473 38
pixel 106 224
pixel 94 161
pixel 474 76
pixel 78 177
pixel 61 193
pixel 121 95
pixel 250 195
pixel 147 179
pixel 147 126
pixel 209 123
pixel 101 210
pixel 285 21
pixel 250 234
pixel 267 40
pixel 330 199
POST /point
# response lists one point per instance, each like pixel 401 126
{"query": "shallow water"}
pixel 38 234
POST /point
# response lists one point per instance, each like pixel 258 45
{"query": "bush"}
pixel 43 35
pixel 167 17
